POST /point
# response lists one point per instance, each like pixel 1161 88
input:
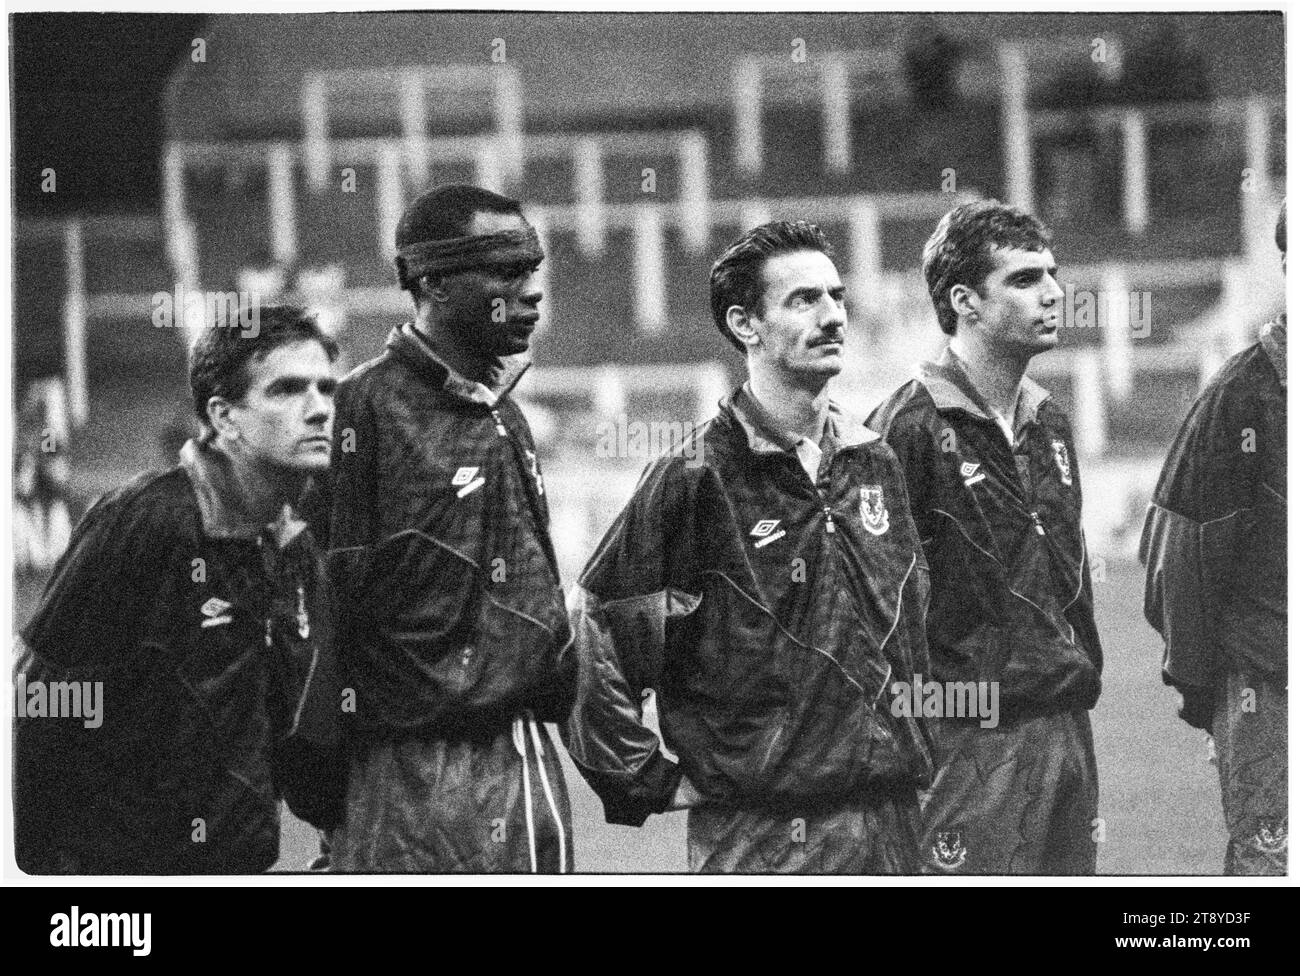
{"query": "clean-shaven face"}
pixel 495 308
pixel 286 418
pixel 802 322
pixel 1020 304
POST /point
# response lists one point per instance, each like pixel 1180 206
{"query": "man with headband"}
pixel 453 628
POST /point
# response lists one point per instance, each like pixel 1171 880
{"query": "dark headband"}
pixel 508 247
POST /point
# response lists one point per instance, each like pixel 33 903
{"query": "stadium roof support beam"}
pixel 314 104
pixel 1017 144
pixel 1091 432
pixel 1137 205
pixel 836 119
pixel 389 201
pixel 1117 336
pixel 864 250
pixel 589 195
pixel 693 171
pixel 509 104
pixel 411 86
pixel 178 229
pixel 651 286
pixel 1257 200
pixel 282 204
pixel 747 109
pixel 74 322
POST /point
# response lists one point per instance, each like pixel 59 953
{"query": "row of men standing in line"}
pixel 778 581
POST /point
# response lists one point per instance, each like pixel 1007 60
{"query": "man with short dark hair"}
pixel 994 487
pixel 765 581
pixel 190 615
pixel 453 630
pixel 1214 545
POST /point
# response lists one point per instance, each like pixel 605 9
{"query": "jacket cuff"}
pixel 651 792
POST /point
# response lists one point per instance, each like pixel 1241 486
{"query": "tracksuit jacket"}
pixel 452 616
pixel 1214 543
pixel 1011 589
pixel 211 636
pixel 453 627
pixel 770 615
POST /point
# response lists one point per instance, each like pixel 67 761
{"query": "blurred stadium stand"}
pixel 641 147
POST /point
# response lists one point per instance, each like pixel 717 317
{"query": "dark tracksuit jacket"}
pixel 1214 545
pixel 211 635
pixel 770 615
pixel 1214 542
pixel 1011 605
pixel 453 627
pixel 1011 591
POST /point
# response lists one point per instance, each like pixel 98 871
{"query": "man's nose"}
pixel 320 406
pixel 531 292
pixel 1052 294
pixel 832 314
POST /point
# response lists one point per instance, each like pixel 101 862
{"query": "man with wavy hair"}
pixel 765 582
pixel 994 484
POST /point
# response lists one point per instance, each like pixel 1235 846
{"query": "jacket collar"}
pixel 407 343
pixel 223 505
pixel 951 388
pixel 765 436
pixel 1273 338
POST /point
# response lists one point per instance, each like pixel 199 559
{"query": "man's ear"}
pixel 434 287
pixel 741 324
pixel 965 301
pixel 219 416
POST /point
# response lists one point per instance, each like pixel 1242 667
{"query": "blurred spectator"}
pixel 42 519
pixel 932 60
pixel 1165 69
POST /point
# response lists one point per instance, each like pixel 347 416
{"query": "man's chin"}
pixel 1047 341
pixel 826 367
pixel 305 464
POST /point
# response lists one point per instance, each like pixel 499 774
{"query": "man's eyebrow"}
pixel 297 382
pixel 803 291
pixel 1034 271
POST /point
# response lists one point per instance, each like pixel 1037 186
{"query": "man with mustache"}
pixel 765 581
pixel 453 628
pixel 993 481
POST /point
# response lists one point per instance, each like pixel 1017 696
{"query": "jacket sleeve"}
pixel 1081 610
pixel 351 495
pixel 311 764
pixel 87 628
pixel 632 589
pixel 1201 506
pixel 915 448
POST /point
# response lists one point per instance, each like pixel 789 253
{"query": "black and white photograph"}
pixel 624 444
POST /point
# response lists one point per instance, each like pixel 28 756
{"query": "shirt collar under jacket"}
pixel 766 437
pixel 1273 338
pixel 406 342
pixel 223 504
pixel 951 388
